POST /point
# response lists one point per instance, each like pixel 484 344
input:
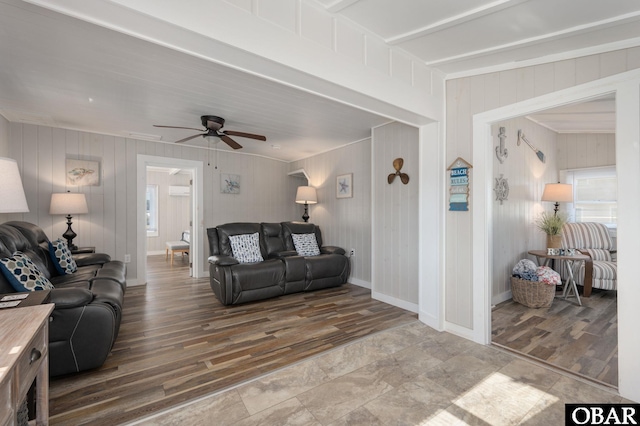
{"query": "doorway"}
pixel 625 86
pixel 168 215
pixel 195 170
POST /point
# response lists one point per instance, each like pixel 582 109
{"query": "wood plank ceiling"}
pixel 60 71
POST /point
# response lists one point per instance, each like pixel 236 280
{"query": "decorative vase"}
pixel 554 241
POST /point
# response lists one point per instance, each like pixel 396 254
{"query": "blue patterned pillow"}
pixel 22 274
pixel 306 244
pixel 61 256
pixel 246 248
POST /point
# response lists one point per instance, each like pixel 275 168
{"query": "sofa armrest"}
pixel 221 260
pixel 72 297
pixel 283 254
pixel 84 259
pixel 332 250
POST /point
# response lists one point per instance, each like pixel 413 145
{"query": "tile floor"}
pixel 410 375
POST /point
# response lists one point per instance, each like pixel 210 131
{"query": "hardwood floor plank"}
pixel 582 339
pixel 177 343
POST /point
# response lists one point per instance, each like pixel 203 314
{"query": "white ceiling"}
pixel 63 72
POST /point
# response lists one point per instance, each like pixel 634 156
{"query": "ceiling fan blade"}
pixel 245 135
pixel 233 144
pixel 176 127
pixel 190 137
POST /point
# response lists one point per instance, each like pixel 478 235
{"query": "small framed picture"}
pixel 344 186
pixel 82 172
pixel 229 184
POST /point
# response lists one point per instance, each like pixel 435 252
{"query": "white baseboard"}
pixel 501 297
pixel 411 307
pixel 133 282
pixel 430 320
pixel 458 330
pixel 155 252
pixel 360 283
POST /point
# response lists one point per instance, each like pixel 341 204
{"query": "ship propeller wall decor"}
pixel 397 164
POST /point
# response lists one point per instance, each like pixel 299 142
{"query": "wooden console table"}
pixel 24 356
pixel 569 261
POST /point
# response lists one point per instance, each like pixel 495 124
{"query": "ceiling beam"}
pixel 451 21
pixel 567 32
pixel 339 5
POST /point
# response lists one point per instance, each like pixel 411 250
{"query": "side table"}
pixel 33 298
pixel 24 356
pixel 570 263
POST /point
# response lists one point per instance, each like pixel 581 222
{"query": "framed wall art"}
pixel 82 172
pixel 229 183
pixel 344 186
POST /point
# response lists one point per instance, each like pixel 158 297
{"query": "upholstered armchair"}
pixel 592 239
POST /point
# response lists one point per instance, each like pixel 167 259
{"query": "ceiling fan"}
pixel 212 125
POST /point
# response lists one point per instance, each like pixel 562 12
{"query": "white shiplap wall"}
pixel 580 150
pixel 395 216
pixel 468 96
pixel 345 222
pixel 174 212
pixel 110 225
pixel 514 232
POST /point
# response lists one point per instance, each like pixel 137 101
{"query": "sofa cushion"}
pixel 306 244
pixel 61 257
pixel 22 274
pixel 246 247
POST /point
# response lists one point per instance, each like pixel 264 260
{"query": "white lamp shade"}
pixel 558 192
pixel 68 203
pixel 306 195
pixel 11 189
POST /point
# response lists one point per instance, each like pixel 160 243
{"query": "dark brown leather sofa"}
pixel 281 272
pixel 88 303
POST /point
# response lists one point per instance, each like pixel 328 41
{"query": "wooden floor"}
pixel 177 343
pixel 581 339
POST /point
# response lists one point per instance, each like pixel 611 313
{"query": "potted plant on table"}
pixel 551 224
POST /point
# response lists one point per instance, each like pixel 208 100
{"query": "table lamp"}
pixel 69 203
pixel 11 189
pixel 558 193
pixel 306 195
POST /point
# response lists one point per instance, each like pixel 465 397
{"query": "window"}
pixel 152 210
pixel 595 195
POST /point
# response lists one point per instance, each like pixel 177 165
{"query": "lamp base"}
pixel 305 216
pixel 69 235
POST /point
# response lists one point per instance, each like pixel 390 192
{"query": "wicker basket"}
pixel 533 294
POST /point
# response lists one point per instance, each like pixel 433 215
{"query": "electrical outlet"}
pixel 127 258
pixel 352 252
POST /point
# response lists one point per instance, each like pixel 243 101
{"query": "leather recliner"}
pixel 281 272
pixel 88 303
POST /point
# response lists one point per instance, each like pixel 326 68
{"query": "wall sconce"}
pixel 501 151
pixel 306 195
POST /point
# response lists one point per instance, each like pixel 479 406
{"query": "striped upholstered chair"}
pixel 592 239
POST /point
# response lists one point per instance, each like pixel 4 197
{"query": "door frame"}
pixel 197 201
pixel 626 87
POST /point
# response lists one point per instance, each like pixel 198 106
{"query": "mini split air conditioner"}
pixel 179 191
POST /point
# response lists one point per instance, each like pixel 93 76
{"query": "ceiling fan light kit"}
pixel 213 125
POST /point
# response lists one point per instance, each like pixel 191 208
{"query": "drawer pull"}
pixel 35 355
